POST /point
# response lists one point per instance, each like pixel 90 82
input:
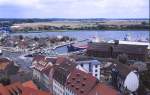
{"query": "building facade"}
pixel 112 50
pixel 91 66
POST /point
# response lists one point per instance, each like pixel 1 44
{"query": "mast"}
pixel 149 40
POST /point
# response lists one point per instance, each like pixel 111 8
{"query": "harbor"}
pixel 61 47
pixel 24 50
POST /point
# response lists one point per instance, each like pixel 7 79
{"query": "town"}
pixel 32 66
pixel 74 47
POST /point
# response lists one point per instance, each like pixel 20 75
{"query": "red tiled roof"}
pixel 62 69
pixel 30 84
pixel 61 60
pixel 21 89
pixel 103 89
pixel 43 64
pixel 3 90
pixel 53 60
pixel 80 82
pixel 47 70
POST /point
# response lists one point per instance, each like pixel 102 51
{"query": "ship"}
pixel 73 48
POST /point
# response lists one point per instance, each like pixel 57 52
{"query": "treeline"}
pixel 98 27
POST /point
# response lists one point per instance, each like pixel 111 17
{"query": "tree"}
pixel 5 80
pixel 123 58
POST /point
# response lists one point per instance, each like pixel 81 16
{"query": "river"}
pixel 80 35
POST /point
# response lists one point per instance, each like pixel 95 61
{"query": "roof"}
pixel 80 83
pixel 23 44
pixel 81 57
pixel 62 69
pixel 43 64
pixel 4 63
pixel 61 60
pixel 20 89
pixel 30 84
pixel 38 58
pixel 103 89
pixel 93 62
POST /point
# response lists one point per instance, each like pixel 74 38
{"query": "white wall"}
pixel 58 89
pixel 36 74
pixel 86 67
pixel 95 70
pixel 45 81
pixel 69 92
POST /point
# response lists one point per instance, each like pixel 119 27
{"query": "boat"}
pixel 72 48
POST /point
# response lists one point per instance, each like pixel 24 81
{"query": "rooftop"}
pixel 28 88
pixel 62 69
pixel 43 64
pixel 103 89
pixel 80 82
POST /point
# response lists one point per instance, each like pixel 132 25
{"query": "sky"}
pixel 74 8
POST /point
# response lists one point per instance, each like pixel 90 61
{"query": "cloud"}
pixel 76 8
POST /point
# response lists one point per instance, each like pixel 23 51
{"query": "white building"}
pixel 41 67
pixel 62 70
pixel 91 66
pixel 58 89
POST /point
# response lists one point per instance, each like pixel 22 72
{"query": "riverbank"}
pixel 41 31
pixel 61 26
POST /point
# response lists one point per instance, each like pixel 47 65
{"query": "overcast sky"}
pixel 74 8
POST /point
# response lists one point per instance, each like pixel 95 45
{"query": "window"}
pixel 95 66
pixel 96 75
pixel 95 70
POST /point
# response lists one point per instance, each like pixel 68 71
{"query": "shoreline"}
pixel 43 31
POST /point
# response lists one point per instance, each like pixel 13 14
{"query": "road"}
pixel 17 57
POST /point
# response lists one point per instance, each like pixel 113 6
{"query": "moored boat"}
pixel 72 48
